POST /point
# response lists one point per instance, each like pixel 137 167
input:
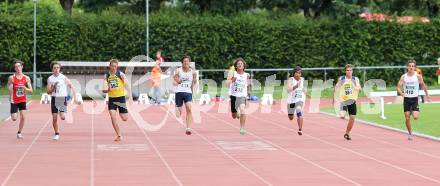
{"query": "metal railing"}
pixel 325 70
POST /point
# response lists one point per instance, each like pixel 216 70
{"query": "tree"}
pixel 315 8
pixel 132 6
pixel 310 8
pixel 433 8
pixel 138 6
pixel 226 7
pixel 97 5
pixel 67 6
pixel 283 5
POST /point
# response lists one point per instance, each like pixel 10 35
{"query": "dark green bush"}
pixel 214 41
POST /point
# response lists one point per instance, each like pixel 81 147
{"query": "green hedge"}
pixel 214 41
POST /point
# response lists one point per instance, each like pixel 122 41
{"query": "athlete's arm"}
pixel 105 87
pixel 290 85
pixel 28 87
pixel 72 88
pixel 233 78
pixel 304 89
pixel 231 74
pixel 231 71
pixel 399 86
pixel 124 79
pixel 228 82
pixel 50 87
pixel 297 85
pixel 195 81
pixel 10 87
pixel 423 85
pixel 176 76
pixel 358 85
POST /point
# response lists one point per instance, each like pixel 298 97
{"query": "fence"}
pixel 326 73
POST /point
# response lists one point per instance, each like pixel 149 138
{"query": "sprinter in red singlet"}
pixel 18 85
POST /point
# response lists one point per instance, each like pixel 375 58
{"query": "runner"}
pixel 18 85
pixel 296 97
pixel 348 87
pixel 411 82
pixel 239 90
pixel 156 78
pixel 114 84
pixel 57 85
pixel 185 79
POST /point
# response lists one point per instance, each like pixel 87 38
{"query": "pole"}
pixel 147 47
pixel 35 45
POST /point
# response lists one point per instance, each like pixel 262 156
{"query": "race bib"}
pixel 20 92
pixel 409 89
pixel 348 90
pixel 185 84
pixel 238 88
pixel 113 83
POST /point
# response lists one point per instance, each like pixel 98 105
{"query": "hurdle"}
pixel 204 99
pixel 267 99
pixel 45 98
pixel 143 99
pixel 383 94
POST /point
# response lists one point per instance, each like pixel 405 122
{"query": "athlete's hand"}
pixel 105 88
pixel 428 99
pixel 50 89
pixel 53 87
pixel 233 79
pixel 231 72
pixel 130 100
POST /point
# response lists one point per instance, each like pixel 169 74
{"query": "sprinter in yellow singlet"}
pixel 114 84
pixel 347 88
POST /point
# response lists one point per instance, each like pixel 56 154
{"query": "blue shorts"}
pixel 182 97
pixel 118 103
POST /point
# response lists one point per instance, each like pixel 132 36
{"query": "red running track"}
pixel 271 153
